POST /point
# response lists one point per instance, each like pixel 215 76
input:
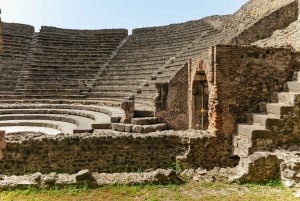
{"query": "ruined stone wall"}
pixel 175 112
pixel 110 152
pixel 247 76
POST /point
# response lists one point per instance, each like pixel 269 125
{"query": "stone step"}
pixel 83 124
pixel 279 108
pixel 288 97
pixel 294 86
pixel 65 107
pixel 241 146
pixel 144 120
pixel 252 138
pixel 138 128
pixel 43 96
pixel 269 121
pixel 109 94
pixel 64 127
pixel 253 131
pixel 265 119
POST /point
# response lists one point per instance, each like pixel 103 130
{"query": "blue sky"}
pixel 100 14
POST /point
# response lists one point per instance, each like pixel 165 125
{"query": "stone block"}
pixel 128 127
pixel 114 126
pixel 84 175
pixel 148 128
pixel 160 127
pixel 144 120
pixel 50 179
pixel 114 119
pixel 121 127
pixel 102 126
pixel 137 129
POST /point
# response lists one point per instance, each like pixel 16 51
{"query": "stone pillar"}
pixel 2 143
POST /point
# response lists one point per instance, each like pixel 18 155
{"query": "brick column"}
pixel 2 143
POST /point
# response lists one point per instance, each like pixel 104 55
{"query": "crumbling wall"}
pixel 246 77
pixel 175 110
pixel 108 151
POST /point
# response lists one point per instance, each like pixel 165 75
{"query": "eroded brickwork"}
pixel 111 152
pixel 176 111
pixel 246 77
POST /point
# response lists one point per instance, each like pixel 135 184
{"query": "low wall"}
pixel 108 151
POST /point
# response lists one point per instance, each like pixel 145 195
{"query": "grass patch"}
pixel 190 191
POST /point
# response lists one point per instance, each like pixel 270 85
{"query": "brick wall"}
pixel 176 111
pixel 245 77
pixel 110 152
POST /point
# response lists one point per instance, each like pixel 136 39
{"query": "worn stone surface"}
pixel 281 164
pixel 159 176
pixel 109 151
pixel 258 167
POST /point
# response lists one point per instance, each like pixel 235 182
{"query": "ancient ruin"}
pixel 222 91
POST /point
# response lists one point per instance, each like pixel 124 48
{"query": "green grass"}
pixel 190 191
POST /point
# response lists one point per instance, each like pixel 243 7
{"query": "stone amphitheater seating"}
pixel 16 40
pixel 64 62
pixel 63 117
pixel 145 52
pixel 89 67
pixel 166 72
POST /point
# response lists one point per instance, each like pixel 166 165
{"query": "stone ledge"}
pixel 85 177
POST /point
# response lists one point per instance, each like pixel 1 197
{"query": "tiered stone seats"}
pixel 65 62
pixel 16 40
pixel 146 50
pixel 282 38
pixel 63 117
pixel 168 71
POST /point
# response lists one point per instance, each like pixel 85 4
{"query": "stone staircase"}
pixel 276 126
pixel 269 147
pixel 16 41
pixel 63 63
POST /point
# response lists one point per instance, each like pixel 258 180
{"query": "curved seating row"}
pixel 69 59
pixel 145 52
pixel 16 41
pixel 63 117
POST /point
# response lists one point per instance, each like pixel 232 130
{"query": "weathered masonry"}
pixel 220 91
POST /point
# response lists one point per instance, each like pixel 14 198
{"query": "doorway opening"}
pixel 200 102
